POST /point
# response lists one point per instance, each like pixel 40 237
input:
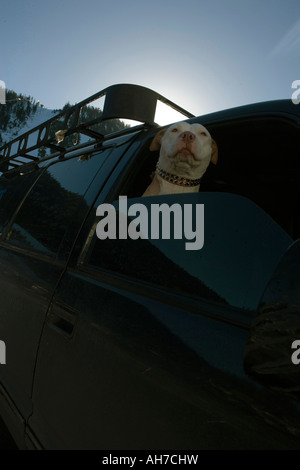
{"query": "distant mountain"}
pixel 22 113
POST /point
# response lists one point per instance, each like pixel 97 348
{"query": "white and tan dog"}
pixel 185 153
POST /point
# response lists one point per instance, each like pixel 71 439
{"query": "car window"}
pixel 55 207
pixel 241 248
pixel 12 191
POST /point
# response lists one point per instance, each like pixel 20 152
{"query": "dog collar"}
pixel 179 180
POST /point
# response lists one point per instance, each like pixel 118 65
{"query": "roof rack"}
pixel 122 101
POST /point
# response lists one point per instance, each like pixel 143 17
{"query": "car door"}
pixel 143 346
pixel 37 237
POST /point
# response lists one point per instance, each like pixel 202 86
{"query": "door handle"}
pixel 63 319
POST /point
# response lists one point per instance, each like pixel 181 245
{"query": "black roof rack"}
pixel 122 101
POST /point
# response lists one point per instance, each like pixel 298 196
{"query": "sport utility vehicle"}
pixel 142 344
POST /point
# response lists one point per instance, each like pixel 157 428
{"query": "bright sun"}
pixel 166 115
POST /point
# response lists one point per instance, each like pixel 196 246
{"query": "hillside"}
pixel 22 113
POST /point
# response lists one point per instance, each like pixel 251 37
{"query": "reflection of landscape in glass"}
pixel 55 206
pixel 144 261
pixel 242 246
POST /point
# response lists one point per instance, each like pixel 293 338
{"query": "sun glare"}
pixel 166 115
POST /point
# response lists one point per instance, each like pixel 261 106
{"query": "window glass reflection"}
pixel 242 246
pixel 56 206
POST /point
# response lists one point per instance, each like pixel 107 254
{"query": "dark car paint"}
pixel 29 280
pixel 278 307
pixel 107 362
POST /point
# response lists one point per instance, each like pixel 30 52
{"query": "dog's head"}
pixel 185 149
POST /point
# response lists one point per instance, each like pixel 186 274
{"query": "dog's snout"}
pixel 187 136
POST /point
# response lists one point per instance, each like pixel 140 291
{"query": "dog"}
pixel 186 150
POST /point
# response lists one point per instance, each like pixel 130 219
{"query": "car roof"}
pixel 284 107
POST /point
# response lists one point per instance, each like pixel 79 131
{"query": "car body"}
pixel 142 344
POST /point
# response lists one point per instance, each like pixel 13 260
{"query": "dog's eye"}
pixel 203 133
pixel 175 129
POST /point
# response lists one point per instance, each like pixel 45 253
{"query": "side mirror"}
pixel 272 355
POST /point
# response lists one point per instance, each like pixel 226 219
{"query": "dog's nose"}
pixel 187 136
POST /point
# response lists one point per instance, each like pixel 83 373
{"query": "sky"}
pixel 204 55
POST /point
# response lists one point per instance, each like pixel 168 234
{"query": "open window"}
pixel 258 159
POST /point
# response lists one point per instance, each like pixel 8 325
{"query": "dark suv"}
pixel 125 343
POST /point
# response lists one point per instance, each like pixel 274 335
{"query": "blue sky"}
pixel 204 55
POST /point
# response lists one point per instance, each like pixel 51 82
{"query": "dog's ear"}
pixel 214 152
pixel 156 142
